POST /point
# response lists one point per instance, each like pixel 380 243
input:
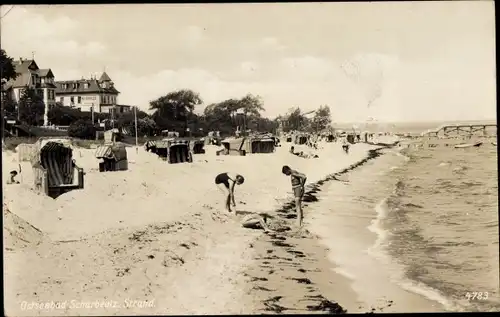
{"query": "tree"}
pixel 220 116
pixel 322 119
pixel 145 126
pixel 82 129
pixel 295 120
pixel 61 115
pixel 9 107
pixel 127 119
pixel 173 109
pixel 31 107
pixel 252 105
pixel 262 124
pixel 225 117
pixel 8 72
pixel 7 67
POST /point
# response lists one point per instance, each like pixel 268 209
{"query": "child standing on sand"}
pixel 226 183
pixel 345 145
pixel 298 182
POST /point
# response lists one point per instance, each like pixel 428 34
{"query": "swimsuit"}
pixel 298 189
pixel 222 179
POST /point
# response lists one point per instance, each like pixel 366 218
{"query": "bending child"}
pixel 226 182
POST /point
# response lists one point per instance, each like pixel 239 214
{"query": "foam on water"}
pixel 377 228
pixel 379 252
pixel 393 253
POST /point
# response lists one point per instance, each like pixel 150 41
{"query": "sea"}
pixel 418 220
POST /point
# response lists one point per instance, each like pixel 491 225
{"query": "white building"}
pixel 30 76
pixel 98 95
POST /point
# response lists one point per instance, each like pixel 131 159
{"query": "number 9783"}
pixel 476 295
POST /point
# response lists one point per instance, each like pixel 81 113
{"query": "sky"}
pixel 389 61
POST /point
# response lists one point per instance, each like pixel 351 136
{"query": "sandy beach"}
pixel 156 240
pixel 390 139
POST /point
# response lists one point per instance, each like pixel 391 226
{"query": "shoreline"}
pixel 167 260
pixel 309 280
pixel 301 262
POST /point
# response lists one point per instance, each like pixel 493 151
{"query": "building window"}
pixel 79 99
pixel 72 99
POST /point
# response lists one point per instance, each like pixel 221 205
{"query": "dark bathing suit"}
pixel 298 189
pixel 222 178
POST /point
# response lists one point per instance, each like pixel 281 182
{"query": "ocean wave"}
pixel 404 155
pixel 428 292
pixel 376 225
pixel 398 273
pixel 412 205
pixel 457 243
pixel 419 239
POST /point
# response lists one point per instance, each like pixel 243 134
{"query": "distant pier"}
pixel 457 130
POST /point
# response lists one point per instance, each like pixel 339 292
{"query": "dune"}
pixel 154 239
pixel 19 234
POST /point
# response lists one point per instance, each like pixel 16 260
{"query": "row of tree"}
pixel 174 111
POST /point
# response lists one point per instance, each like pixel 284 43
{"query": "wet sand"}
pixel 293 273
pixel 173 251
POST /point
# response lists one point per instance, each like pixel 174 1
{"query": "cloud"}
pixel 260 45
pixel 193 35
pixel 306 81
pixel 52 40
pixel 279 93
pixel 249 67
pixel 401 89
pixel 272 43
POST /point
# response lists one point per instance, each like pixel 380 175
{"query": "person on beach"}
pixel 298 182
pixel 12 179
pixel 255 221
pixel 226 183
pixel 345 145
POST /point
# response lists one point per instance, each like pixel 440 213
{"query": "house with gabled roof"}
pixel 30 76
pixel 98 95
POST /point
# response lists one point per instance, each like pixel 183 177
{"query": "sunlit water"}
pixel 434 223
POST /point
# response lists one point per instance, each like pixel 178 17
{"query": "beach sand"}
pixel 156 240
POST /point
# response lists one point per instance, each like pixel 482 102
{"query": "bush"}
pixel 86 144
pixel 11 143
pixel 82 129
